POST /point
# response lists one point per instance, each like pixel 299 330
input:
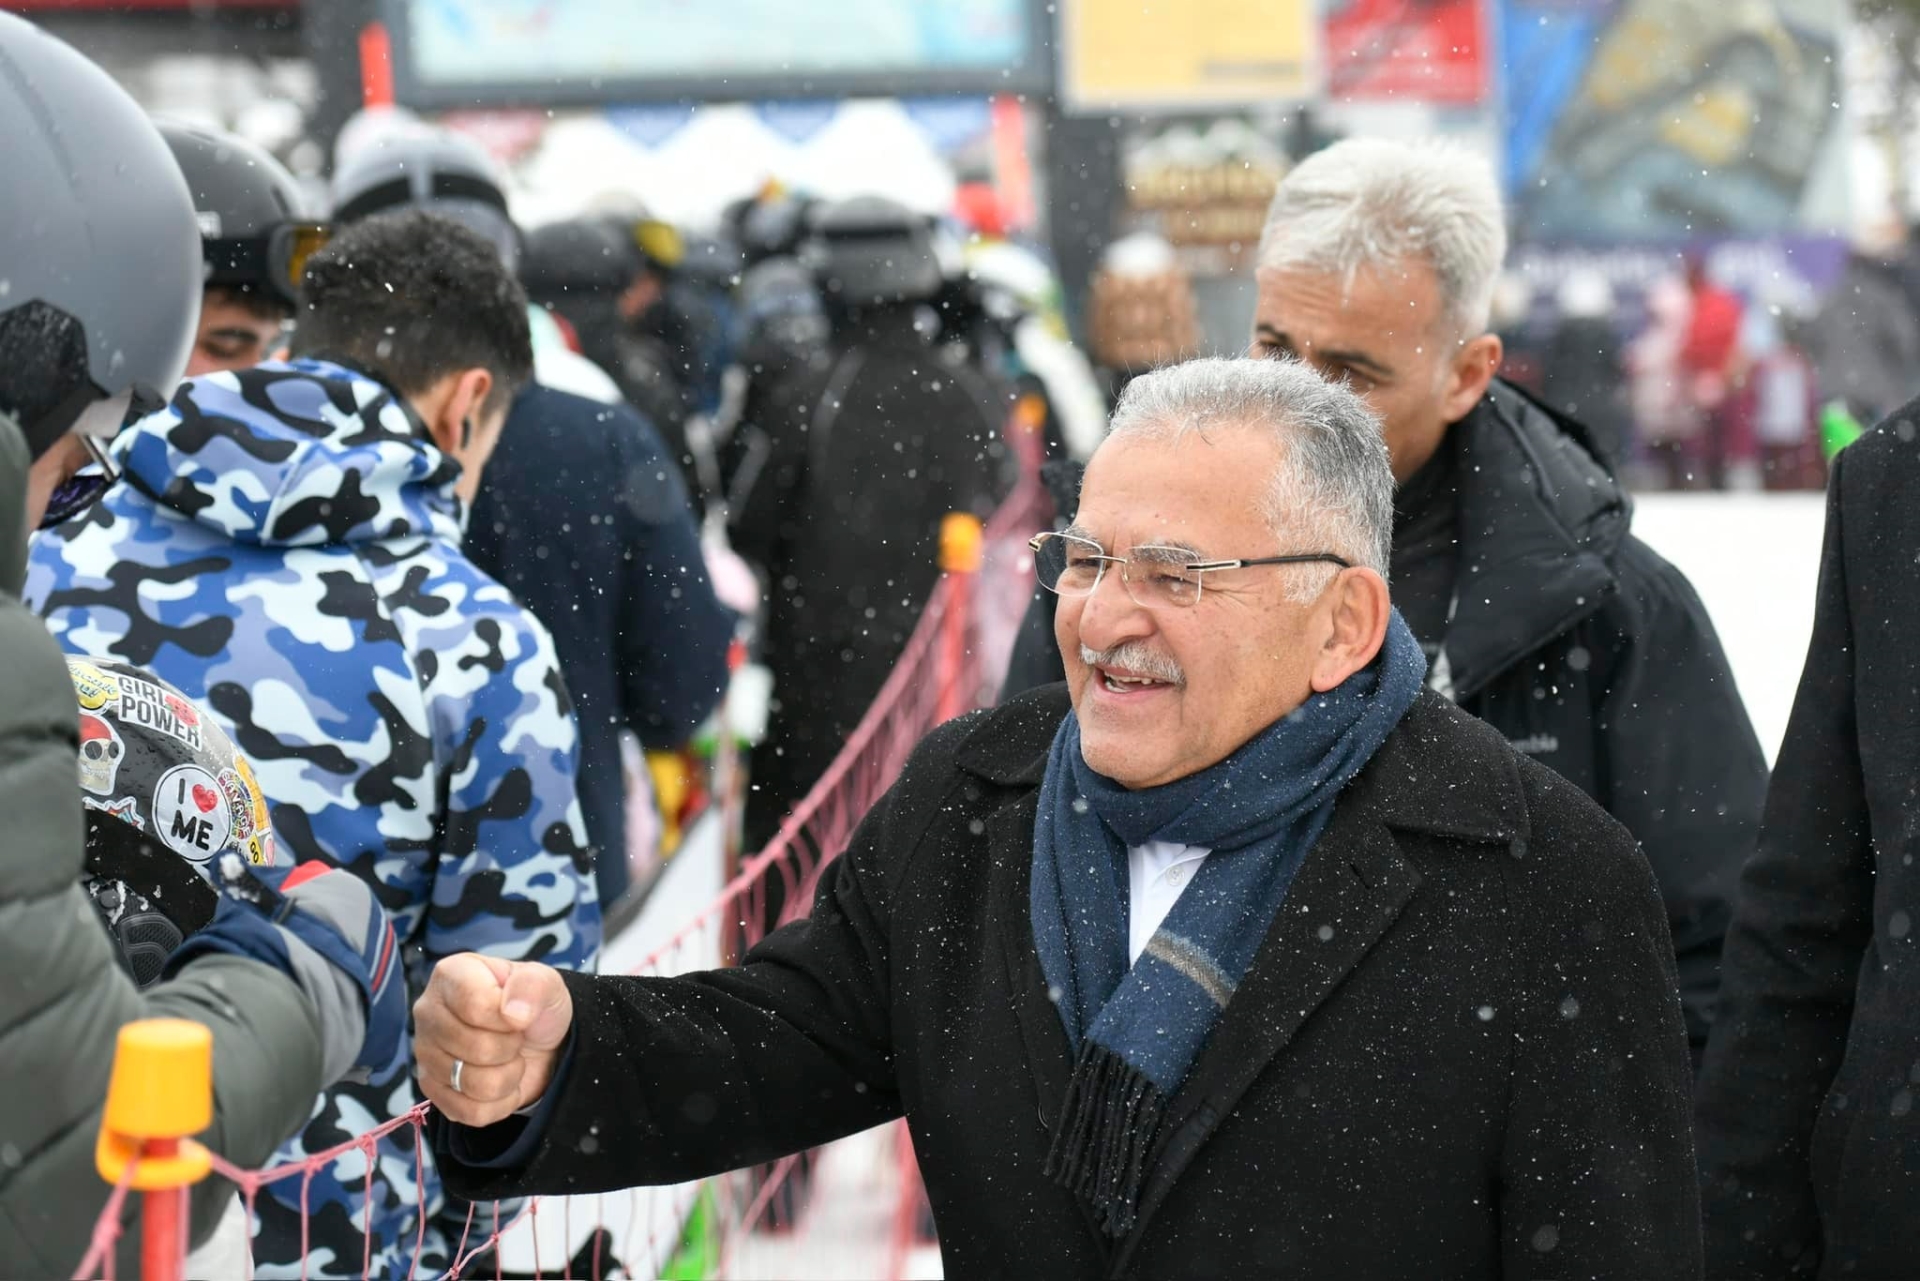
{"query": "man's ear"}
pixel 454 413
pixel 1360 610
pixel 1474 366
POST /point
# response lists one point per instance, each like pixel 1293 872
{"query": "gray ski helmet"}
pixel 872 250
pixel 779 316
pixel 99 249
pixel 254 234
pixel 438 171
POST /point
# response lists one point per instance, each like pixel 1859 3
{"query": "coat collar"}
pixel 1440 771
pixel 1539 519
pixel 1415 782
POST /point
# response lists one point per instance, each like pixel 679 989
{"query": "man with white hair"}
pixel 1239 952
pixel 1512 558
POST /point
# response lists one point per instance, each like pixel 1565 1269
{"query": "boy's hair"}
pixel 258 303
pixel 411 297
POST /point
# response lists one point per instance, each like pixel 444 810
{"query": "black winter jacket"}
pixel 582 516
pixel 1589 653
pixel 1458 1053
pixel 1809 1135
pixel 869 450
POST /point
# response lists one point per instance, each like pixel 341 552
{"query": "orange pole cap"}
pixel 161 1088
pixel 960 543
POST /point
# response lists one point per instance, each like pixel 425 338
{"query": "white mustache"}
pixel 1139 658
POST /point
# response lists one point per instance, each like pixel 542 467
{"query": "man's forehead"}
pixel 1350 302
pixel 1189 491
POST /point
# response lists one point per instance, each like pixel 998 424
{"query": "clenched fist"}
pixel 503 1022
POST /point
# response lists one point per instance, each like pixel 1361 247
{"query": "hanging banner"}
pixel 1432 51
pixel 796 120
pixel 1187 54
pixel 652 125
pixel 950 123
pixel 1673 120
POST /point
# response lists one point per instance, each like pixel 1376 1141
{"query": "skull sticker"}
pixel 101 752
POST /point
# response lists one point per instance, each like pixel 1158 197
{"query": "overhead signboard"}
pixel 1183 55
pixel 468 53
pixel 1388 50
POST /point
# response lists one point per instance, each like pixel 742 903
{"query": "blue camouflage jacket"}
pixel 284 546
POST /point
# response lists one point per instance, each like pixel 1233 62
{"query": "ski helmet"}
pixel 435 170
pixel 254 235
pixel 780 318
pixel 99 251
pixel 166 797
pixel 870 250
pixel 579 256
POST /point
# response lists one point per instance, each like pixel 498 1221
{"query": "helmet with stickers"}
pixel 167 797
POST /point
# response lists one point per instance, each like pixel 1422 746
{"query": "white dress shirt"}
pixel 1157 873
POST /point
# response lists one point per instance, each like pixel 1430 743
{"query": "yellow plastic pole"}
pixel 161 1092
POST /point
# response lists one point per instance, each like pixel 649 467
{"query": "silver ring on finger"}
pixel 459 1066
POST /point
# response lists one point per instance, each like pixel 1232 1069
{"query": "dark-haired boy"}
pixel 284 545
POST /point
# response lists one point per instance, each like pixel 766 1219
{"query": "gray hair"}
pixel 1333 487
pixel 1370 202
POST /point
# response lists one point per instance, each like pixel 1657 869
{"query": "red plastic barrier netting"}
pixel 951 663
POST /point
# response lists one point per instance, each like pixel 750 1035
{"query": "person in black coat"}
pixel 1513 559
pixel 1450 1043
pixel 870 445
pixel 1809 1141
pixel 582 515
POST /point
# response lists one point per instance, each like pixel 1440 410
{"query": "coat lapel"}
pixel 1010 846
pixel 1348 893
pixel 1010 876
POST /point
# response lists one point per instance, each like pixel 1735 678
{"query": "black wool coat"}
pixel 1809 1132
pixel 1459 1051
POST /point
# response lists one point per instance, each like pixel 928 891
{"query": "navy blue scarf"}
pixel 1137 1031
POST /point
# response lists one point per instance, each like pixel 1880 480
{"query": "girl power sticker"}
pixel 191 814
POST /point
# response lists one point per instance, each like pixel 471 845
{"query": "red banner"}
pixel 1421 50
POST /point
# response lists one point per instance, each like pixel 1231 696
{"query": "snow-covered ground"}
pixel 1754 559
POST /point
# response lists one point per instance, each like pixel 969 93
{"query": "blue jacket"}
pixel 285 548
pixel 585 518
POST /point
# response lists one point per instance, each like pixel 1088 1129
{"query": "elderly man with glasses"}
pixel 1238 952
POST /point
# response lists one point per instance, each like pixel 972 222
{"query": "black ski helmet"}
pixel 99 250
pixel 254 235
pixel 578 257
pixel 869 250
pixel 167 797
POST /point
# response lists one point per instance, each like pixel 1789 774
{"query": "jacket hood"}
pixel 304 453
pixel 13 507
pixel 1540 519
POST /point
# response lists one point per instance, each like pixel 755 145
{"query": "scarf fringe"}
pixel 1104 1135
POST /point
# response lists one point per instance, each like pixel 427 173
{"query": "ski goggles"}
pixel 275 262
pixel 81 491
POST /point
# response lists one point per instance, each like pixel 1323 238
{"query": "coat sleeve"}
pixel 513 876
pixel 1597 1177
pixel 63 1000
pixel 674 1079
pixel 673 631
pixel 1793 957
pixel 1680 764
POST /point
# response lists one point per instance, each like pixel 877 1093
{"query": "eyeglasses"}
pixel 1154 577
pixel 80 491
